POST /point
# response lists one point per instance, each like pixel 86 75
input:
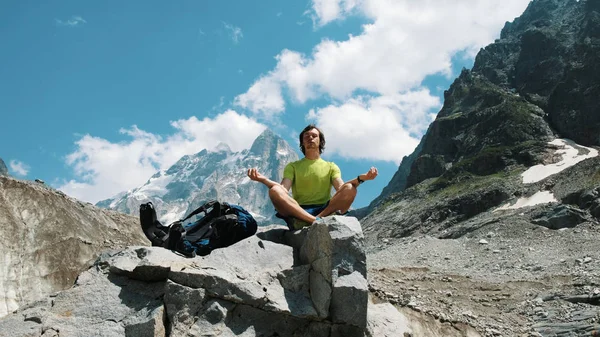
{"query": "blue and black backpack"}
pixel 215 225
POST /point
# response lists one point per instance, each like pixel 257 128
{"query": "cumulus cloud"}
pixel 325 11
pixel 377 128
pixel 74 21
pixel 405 42
pixel 104 168
pixel 264 97
pixel 235 33
pixel 19 167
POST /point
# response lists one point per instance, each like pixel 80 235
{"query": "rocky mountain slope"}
pixel 539 80
pixel 48 238
pixel 3 169
pixel 207 175
pixel 494 220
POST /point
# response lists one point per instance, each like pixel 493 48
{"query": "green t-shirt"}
pixel 311 180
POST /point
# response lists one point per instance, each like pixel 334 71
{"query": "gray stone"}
pixel 211 320
pixel 342 330
pixel 349 300
pixel 248 273
pixel 16 325
pixel 320 290
pixel 272 233
pixel 145 263
pixel 562 216
pixel 348 246
pixel 295 283
pixel 246 320
pixel 182 305
pixel 317 244
pixel 106 304
pixel 384 320
pixel 150 324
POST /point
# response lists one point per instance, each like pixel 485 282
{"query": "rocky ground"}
pixel 507 278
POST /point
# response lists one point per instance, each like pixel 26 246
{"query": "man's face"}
pixel 310 139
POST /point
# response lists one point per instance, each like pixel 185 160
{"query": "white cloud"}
pixel 19 167
pixel 326 11
pixel 377 128
pixel 264 96
pixel 235 33
pixel 74 21
pixel 104 168
pixel 405 42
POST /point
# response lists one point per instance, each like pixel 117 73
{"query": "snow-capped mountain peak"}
pixel 217 174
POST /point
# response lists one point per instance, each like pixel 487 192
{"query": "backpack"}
pixel 220 225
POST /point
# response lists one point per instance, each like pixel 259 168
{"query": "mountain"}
pixel 48 238
pixel 536 83
pixel 495 217
pixel 3 169
pixel 217 174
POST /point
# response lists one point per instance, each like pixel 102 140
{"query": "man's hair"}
pixel 321 138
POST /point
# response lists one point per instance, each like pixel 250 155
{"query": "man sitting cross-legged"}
pixel 311 179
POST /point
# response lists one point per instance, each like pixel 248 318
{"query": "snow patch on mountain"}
pixel 541 197
pixel 156 186
pixel 571 153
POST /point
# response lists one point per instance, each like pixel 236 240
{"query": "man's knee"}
pixel 349 188
pixel 277 191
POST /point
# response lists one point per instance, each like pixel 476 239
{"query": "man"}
pixel 311 179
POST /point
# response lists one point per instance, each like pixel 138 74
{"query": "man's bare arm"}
pixel 337 183
pixel 286 183
pixel 254 175
pixel 370 175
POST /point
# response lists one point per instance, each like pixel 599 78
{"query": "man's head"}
pixel 312 137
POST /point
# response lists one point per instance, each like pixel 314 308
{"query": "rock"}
pixel 469 314
pixel 483 242
pixel 58 239
pixel 348 297
pixel 334 249
pixel 561 216
pixel 3 169
pixel 183 304
pixel 16 325
pixel 146 323
pixel 252 288
pixel 385 321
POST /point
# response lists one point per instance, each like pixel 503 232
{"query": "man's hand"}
pixel 254 175
pixel 371 174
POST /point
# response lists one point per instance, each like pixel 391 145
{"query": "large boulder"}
pixel 310 282
pixel 48 238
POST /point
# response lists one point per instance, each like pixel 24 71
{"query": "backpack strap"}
pixel 203 208
pixel 152 228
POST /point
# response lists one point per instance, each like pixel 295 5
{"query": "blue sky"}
pixel 97 96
